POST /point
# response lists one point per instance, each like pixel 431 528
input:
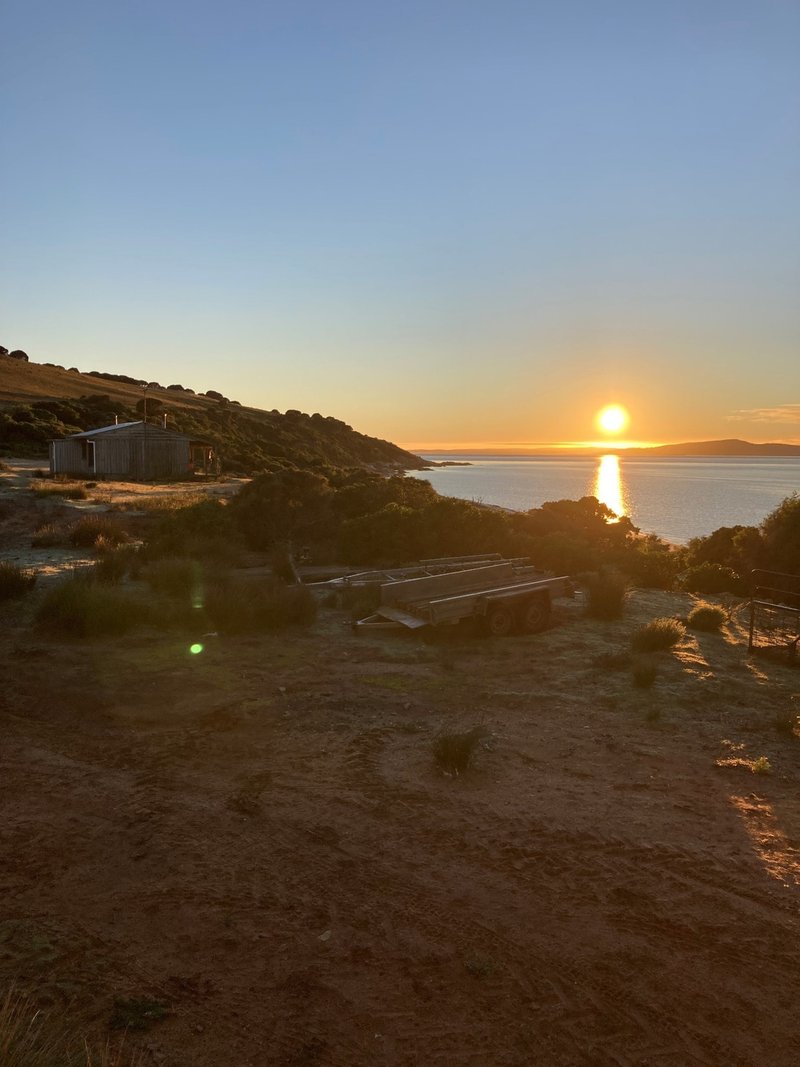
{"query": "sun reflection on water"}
pixel 608 486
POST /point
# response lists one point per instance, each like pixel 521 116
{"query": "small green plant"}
pixel 480 966
pixel 643 673
pixel 606 592
pixel 90 528
pixel 761 766
pixel 454 752
pixel 657 635
pixel 15 581
pixel 81 607
pixel 706 617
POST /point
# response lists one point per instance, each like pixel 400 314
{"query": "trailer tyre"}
pixel 535 615
pixel 499 621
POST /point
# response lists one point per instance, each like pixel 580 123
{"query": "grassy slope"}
pixel 247 439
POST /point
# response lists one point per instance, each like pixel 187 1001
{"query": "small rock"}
pixel 325 937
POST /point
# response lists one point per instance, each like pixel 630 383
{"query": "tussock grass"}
pixel 88 530
pixel 454 753
pixel 706 617
pixel 81 607
pixel 30 1037
pixel 606 593
pixel 657 635
pixel 15 581
pixel 68 492
pixel 46 536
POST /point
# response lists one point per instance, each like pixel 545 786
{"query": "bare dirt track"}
pixel 258 837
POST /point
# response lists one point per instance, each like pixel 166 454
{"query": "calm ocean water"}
pixel 675 498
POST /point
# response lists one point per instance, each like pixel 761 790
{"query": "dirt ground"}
pixel 257 836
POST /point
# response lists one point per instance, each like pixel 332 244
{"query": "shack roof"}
pixel 129 428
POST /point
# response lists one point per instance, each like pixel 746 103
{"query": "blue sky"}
pixel 446 223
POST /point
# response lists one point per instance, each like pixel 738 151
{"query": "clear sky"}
pixel 443 221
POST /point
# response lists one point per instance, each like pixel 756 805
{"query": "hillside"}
pixel 730 447
pixel 39 402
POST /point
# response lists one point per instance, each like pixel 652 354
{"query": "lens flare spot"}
pixel 195 649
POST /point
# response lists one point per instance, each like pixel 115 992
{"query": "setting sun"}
pixel 612 419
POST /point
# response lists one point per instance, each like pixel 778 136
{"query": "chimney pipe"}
pixel 164 421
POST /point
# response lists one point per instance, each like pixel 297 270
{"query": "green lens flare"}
pixel 195 649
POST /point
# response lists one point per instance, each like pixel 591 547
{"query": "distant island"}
pixel 729 447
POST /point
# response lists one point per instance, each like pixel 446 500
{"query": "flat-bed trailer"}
pixel 498 595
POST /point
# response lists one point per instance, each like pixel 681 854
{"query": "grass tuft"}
pixel 761 766
pixel 706 617
pixel 657 635
pixel 46 536
pixel 454 752
pixel 15 581
pixel 88 531
pixel 30 1037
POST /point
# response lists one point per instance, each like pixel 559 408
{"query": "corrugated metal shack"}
pixel 131 450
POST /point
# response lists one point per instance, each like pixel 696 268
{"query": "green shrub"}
pixel 14 581
pixel 454 752
pixel 90 528
pixel 81 607
pixel 644 673
pixel 657 635
pixel 606 593
pixel 706 617
pixel 173 575
pixel 712 578
pixel 250 606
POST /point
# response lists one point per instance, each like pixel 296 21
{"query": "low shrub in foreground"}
pixel 89 529
pixel 453 752
pixel 250 606
pixel 14 581
pixel 706 617
pixel 657 635
pixel 82 607
pixel 606 592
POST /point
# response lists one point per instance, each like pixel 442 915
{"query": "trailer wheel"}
pixel 499 621
pixel 535 615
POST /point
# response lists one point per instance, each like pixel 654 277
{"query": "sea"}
pixel 676 498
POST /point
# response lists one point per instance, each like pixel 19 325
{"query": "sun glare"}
pixel 612 419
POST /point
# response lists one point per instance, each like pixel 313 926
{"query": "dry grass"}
pixel 454 752
pixel 14 581
pixel 706 617
pixel 657 635
pixel 30 1037
pixel 606 592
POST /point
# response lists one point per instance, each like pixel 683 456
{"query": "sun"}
pixel 612 419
